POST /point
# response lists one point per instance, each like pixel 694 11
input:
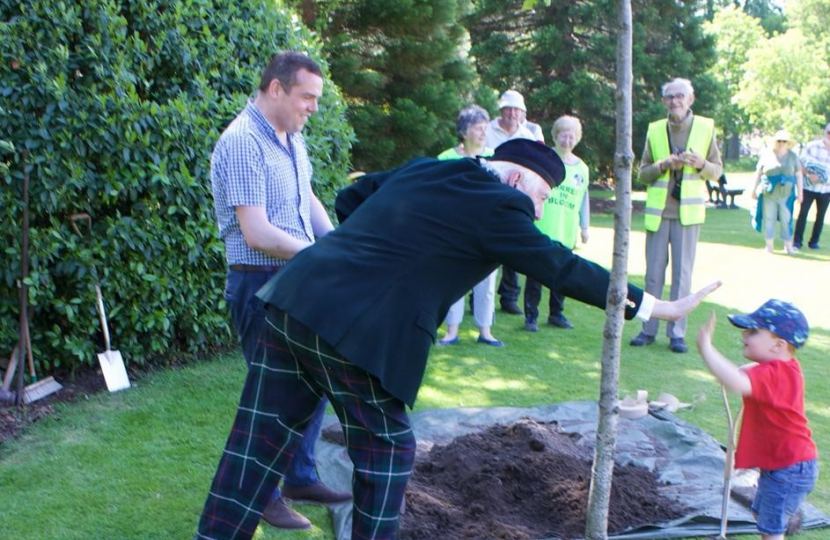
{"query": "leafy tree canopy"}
pixel 813 18
pixel 778 92
pixel 768 12
pixel 735 33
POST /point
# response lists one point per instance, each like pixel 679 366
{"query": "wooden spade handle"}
pixel 103 316
pixel 78 217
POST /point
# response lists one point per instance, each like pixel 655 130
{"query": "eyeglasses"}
pixel 669 97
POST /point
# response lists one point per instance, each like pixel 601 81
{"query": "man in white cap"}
pixel 508 126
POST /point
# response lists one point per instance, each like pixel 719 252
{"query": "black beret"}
pixel 537 157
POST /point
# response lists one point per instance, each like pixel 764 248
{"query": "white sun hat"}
pixel 511 98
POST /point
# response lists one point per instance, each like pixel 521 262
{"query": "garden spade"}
pixel 112 365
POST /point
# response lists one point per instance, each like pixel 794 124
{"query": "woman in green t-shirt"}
pixel 472 126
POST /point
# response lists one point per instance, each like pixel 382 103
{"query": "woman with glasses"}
pixel 778 182
pixel 471 126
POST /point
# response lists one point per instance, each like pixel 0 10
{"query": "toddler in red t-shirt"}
pixel 774 435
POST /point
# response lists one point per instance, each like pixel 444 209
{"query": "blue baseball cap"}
pixel 781 318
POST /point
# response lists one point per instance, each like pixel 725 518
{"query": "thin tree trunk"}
pixel 732 147
pixel 596 527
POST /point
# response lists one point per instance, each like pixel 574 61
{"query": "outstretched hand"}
pixel 673 311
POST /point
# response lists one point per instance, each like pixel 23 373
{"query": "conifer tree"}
pixel 402 68
pixel 561 57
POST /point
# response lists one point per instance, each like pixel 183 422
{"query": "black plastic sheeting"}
pixel 689 461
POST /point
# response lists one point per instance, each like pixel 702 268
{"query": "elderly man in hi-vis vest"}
pixel 680 154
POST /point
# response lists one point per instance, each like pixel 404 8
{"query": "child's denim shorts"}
pixel 780 493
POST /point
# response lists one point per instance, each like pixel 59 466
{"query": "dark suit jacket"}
pixel 411 242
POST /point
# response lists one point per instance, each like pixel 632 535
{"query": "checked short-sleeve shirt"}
pixel 818 151
pixel 251 167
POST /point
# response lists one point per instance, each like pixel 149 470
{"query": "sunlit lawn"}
pixel 137 465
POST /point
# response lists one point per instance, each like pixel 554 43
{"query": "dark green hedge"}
pixel 119 104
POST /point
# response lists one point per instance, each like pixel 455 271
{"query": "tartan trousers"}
pixel 293 368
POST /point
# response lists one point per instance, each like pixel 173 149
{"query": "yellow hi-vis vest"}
pixel 692 194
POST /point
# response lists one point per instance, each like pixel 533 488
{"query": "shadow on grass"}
pixel 137 464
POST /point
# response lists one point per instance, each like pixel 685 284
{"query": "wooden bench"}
pixel 721 192
pixel 732 193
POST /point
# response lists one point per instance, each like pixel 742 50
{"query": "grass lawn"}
pixel 137 464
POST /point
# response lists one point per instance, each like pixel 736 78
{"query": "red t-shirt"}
pixel 774 433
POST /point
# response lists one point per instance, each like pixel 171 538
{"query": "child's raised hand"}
pixel 705 332
pixel 721 367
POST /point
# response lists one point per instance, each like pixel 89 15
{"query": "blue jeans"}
pixel 780 493
pixel 248 315
pixel 778 210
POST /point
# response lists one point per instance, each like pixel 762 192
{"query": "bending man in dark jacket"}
pixel 353 317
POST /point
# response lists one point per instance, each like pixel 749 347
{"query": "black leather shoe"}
pixel 315 493
pixel 560 321
pixel 280 515
pixel 678 345
pixel 511 308
pixel 531 326
pixel 813 245
pixel 641 340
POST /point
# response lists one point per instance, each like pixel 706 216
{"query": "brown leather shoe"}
pixel 280 515
pixel 318 493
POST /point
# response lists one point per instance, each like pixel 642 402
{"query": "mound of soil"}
pixel 521 481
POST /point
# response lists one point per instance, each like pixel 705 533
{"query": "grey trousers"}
pixel 682 241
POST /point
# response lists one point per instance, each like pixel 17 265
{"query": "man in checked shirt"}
pixel 816 188
pixel 267 213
